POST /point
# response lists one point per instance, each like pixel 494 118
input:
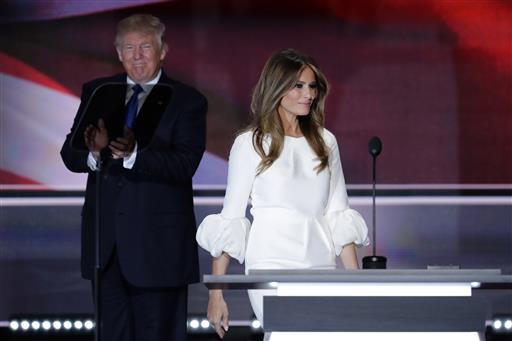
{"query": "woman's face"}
pixel 298 100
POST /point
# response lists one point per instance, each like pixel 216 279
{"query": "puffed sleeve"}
pixel 346 225
pixel 228 231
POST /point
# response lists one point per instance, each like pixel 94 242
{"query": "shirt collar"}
pixel 150 83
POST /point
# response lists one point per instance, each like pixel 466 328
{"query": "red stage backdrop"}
pixel 432 78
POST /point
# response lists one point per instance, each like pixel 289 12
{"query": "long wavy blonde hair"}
pixel 280 74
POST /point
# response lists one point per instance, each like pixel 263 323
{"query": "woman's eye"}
pixel 299 85
pixel 313 86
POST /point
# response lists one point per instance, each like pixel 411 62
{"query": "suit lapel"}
pixel 119 96
pixel 107 102
pixel 152 111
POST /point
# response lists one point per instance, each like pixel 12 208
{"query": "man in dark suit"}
pixel 147 134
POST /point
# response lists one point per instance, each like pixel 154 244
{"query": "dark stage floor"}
pixel 235 333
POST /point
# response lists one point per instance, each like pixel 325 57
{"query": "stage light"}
pixel 75 324
pixel 36 325
pixel 78 324
pixel 71 324
pixel 375 289
pixel 194 324
pixel 372 336
pixel 255 324
pixel 46 325
pixel 205 324
pixel 508 324
pixel 497 324
pixel 67 325
pixel 57 325
pixel 14 325
pixel 25 325
pixel 89 325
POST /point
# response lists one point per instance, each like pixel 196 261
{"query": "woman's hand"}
pixel 218 312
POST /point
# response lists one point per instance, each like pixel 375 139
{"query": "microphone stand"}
pixel 97 266
pixel 374 261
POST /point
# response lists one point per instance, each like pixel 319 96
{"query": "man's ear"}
pixel 119 54
pixel 163 53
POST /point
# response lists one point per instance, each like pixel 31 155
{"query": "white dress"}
pixel 301 218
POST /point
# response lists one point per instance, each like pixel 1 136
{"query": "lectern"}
pixel 321 304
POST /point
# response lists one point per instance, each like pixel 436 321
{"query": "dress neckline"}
pixel 295 137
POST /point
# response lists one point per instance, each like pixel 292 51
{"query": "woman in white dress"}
pixel 288 164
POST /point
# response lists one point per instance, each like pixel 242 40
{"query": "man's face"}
pixel 141 56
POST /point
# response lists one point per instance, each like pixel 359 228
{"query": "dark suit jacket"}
pixel 146 212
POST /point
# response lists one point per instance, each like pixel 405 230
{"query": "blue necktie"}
pixel 132 106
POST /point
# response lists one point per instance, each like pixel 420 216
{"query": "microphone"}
pixel 374 261
pixel 374 146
